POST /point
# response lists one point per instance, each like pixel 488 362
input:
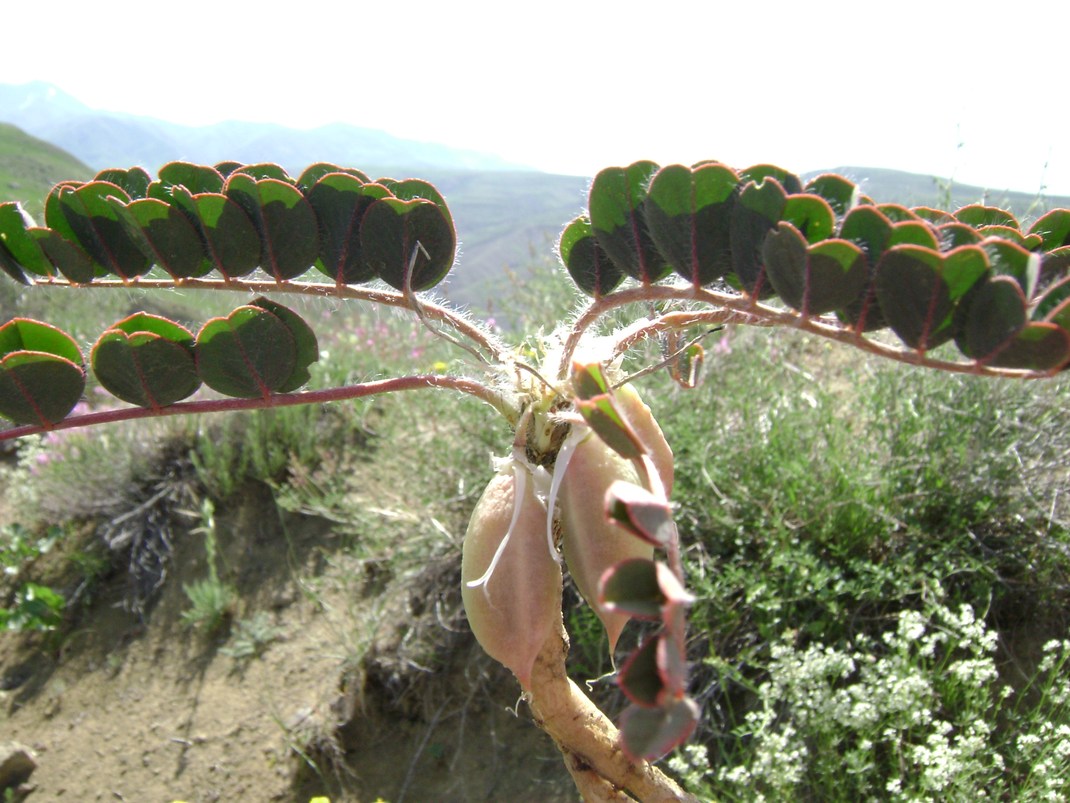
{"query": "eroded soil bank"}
pixel 367 684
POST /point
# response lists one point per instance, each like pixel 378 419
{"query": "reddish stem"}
pixel 733 308
pixel 419 382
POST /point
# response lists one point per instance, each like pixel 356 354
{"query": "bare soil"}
pixel 372 689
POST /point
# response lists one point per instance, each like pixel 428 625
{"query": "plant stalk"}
pixel 589 742
pixel 481 337
pixel 735 308
pixel 418 382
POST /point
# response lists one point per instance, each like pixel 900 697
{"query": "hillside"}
pixel 344 666
pixel 917 189
pixel 30 166
pixel 110 139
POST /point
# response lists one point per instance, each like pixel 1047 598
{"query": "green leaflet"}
pixel 249 353
pixel 41 374
pixel 410 244
pixel 340 201
pixel 617 204
pixel 688 214
pixel 284 221
pixel 92 222
pixel 146 360
pixel 586 261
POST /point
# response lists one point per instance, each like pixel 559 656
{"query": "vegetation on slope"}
pixel 850 527
pixel 831 518
pixel 29 167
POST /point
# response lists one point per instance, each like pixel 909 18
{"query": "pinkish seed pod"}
pixel 511 586
pixel 590 542
pixel 646 427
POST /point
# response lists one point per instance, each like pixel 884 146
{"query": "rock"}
pixel 16 765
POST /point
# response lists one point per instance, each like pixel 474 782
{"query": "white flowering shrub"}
pixel 922 714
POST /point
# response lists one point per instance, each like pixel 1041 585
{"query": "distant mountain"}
pixel 112 139
pixel 505 215
pixel 504 219
pixel 39 101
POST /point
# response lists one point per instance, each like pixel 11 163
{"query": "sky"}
pixel 969 91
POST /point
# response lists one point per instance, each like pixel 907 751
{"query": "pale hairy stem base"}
pixel 589 742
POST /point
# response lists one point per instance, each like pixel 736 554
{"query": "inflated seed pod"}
pixel 511 585
pixel 649 432
pixel 590 543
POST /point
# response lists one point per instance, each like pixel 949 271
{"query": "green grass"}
pixel 211 600
pixel 251 637
pixel 823 496
pixel 29 167
pixel 830 505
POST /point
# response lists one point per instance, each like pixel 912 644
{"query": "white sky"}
pixel 976 91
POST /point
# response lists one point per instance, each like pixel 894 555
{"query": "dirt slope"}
pixel 371 686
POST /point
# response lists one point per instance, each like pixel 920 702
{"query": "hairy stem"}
pixel 735 308
pixel 419 382
pixel 478 335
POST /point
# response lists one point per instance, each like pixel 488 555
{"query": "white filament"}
pixel 577 434
pixel 519 488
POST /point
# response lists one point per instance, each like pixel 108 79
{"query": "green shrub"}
pixel 821 501
pixel 35 607
pixel 211 600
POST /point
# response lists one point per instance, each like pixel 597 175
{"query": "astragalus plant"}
pixel 665 255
